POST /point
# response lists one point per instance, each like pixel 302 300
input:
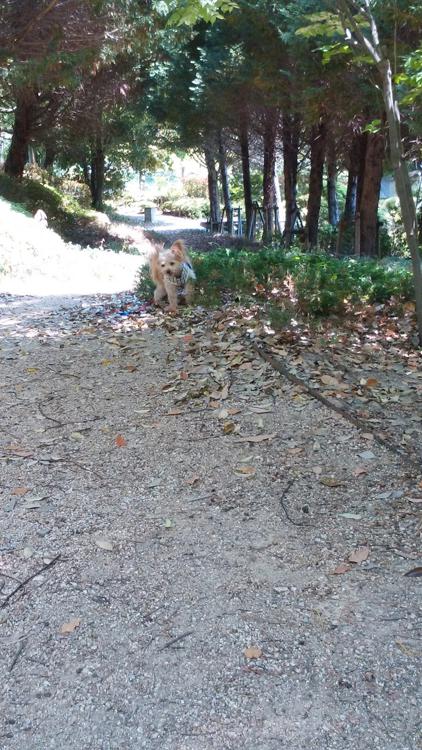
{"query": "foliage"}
pixel 63 212
pixel 191 208
pixel 322 285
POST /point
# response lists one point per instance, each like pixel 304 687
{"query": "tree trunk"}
pixel 370 193
pixel 224 177
pixel 50 155
pixel 270 142
pixel 403 184
pixel 212 187
pixel 278 201
pixel 23 125
pixel 97 173
pixel 246 171
pixel 315 183
pixel 333 213
pixel 345 237
pixel 86 172
pixel 291 131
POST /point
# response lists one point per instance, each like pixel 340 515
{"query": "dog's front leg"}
pixel 171 289
pixel 159 294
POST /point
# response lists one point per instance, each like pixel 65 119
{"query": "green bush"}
pixel 64 213
pixel 191 208
pixel 195 187
pixel 323 284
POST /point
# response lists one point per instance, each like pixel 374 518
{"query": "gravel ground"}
pixel 194 605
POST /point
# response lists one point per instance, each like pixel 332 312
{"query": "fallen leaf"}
pixel 229 427
pixel 32 370
pixel 406 650
pixel 168 387
pixel 106 362
pixel 70 627
pixel 331 482
pixel 20 491
pixel 168 523
pixel 257 438
pixel 294 451
pixel 131 368
pixel 103 543
pixel 77 436
pixel 367 455
pixel 32 503
pixel 329 380
pixel 414 573
pixel 253 652
pixel 193 480
pixel 183 375
pixel 370 382
pixel 174 412
pixel 120 441
pixel 340 569
pixel 246 470
pixel 359 470
pixel 359 555
pixel 222 414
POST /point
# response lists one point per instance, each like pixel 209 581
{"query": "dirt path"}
pixel 199 506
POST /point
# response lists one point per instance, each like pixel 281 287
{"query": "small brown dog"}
pixel 172 274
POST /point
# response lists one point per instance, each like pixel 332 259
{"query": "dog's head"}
pixel 170 261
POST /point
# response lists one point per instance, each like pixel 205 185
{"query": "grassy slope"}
pixel 36 260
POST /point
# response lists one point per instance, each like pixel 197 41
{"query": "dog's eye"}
pixel 162 265
pixel 172 262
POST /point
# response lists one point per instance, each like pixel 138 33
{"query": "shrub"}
pixel 323 284
pixel 191 208
pixel 195 187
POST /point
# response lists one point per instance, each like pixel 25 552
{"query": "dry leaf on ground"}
pixel 257 438
pixel 245 470
pixel 331 482
pixel 342 568
pixel 69 627
pixel 253 652
pixel 359 555
pixel 103 543
pixel 193 480
pixel 120 441
pixel 414 573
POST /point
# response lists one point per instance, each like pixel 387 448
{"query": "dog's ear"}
pixel 178 249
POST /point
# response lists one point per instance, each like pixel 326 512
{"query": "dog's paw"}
pixel 170 309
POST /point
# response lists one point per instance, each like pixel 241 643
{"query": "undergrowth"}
pixel 317 283
pixel 63 211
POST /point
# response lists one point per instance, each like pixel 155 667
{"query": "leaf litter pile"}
pixel 193 539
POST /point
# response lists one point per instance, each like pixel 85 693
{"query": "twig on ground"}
pixel 283 495
pixel 17 655
pixel 27 580
pixel 52 419
pixel 175 640
pixel 356 421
